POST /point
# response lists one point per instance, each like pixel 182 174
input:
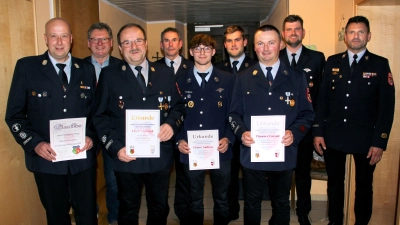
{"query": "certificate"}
pixel 142 128
pixel 67 137
pixel 204 152
pixel 267 132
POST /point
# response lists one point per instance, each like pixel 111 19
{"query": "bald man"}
pixel 47 87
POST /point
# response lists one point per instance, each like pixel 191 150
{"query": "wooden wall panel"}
pixel 19 200
pixel 80 14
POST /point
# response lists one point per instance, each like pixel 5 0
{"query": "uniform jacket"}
pixel 111 60
pixel 226 64
pixel 207 109
pixel 252 96
pixel 355 112
pixel 184 68
pixel 37 96
pixel 312 64
pixel 118 90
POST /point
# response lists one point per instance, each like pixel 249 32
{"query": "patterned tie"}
pixel 270 78
pixel 62 75
pixel 203 79
pixel 140 78
pixel 234 64
pixel 293 63
pixel 172 66
pixel 354 63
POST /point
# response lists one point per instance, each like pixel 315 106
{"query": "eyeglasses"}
pixel 128 43
pixel 96 40
pixel 206 49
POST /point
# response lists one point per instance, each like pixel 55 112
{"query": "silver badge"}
pixel 44 94
pixel 216 79
pixel 22 135
pixel 104 139
pixel 16 127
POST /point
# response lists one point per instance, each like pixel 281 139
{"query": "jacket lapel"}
pixel 49 70
pixel 281 76
pixel 128 74
pixel 259 76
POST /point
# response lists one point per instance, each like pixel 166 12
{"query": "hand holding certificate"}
pixel 67 138
pixel 142 128
pixel 203 146
pixel 267 132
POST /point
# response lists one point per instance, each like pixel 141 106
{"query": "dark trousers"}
pixel 182 196
pixel 279 187
pixel 112 202
pixel 336 166
pixel 129 195
pixel 303 178
pixel 220 179
pixel 58 192
pixel 233 190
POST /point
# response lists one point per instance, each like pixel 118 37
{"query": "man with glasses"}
pixel 269 88
pixel 312 64
pixel 207 95
pixel 235 42
pixel 100 42
pixel 136 83
pixel 52 86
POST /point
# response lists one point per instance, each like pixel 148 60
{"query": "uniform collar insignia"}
pixel 285 72
pixel 216 79
pixel 152 69
pixel 123 68
pixel 184 66
pixel 44 62
pixel 344 55
pixel 255 72
pixel 76 65
pixel 226 64
pixel 246 65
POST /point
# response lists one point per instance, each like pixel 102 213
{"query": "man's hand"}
pixel 318 143
pixel 247 140
pixel 183 147
pixel 88 144
pixel 288 138
pixel 166 132
pixel 375 154
pixel 122 156
pixel 44 150
pixel 223 145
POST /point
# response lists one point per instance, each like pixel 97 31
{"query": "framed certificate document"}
pixel 142 128
pixel 204 152
pixel 67 137
pixel 267 132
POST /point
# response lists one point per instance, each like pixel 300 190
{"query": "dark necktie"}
pixel 140 78
pixel 234 64
pixel 62 75
pixel 269 76
pixel 354 63
pixel 203 79
pixel 293 63
pixel 172 66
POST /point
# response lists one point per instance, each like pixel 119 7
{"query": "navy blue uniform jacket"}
pixel 185 67
pixel 312 64
pixel 226 64
pixel 209 109
pixel 355 112
pixel 252 96
pixel 118 90
pixel 37 96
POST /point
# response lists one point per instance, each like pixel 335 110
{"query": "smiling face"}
pixel 58 38
pixel 99 48
pixel 267 45
pixel 357 37
pixel 133 53
pixel 293 33
pixel 202 55
pixel 234 44
pixel 171 44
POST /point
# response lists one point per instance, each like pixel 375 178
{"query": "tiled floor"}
pixel 317 214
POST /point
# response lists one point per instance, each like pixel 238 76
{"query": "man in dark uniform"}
pixel 265 89
pixel 171 43
pixel 354 115
pixel 100 42
pixel 37 95
pixel 235 42
pixel 312 64
pixel 207 95
pixel 137 83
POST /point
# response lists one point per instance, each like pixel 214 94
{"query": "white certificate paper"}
pixel 142 128
pixel 203 146
pixel 267 132
pixel 67 137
